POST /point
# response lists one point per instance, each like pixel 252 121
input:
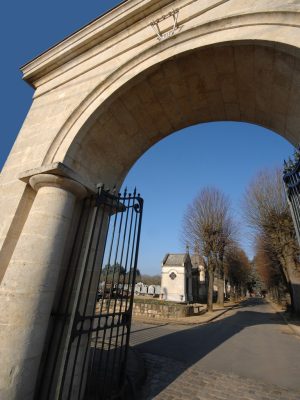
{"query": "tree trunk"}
pixel 232 292
pixel 276 294
pixel 210 290
pixel 294 286
pixel 293 282
pixel 295 297
pixel 238 292
pixel 220 300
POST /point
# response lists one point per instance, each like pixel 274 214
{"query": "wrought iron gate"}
pixel 90 326
pixel 291 178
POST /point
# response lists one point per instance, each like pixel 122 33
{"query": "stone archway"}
pixel 231 82
pixel 102 97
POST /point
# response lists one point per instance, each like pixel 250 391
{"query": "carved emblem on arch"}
pixel 157 25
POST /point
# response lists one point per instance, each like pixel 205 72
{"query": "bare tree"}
pixel 238 270
pixel 267 213
pixel 150 279
pixel 208 226
pixel 270 270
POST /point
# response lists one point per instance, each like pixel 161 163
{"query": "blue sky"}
pixel 171 173
pixel 225 155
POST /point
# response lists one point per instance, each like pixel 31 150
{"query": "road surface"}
pixel 249 353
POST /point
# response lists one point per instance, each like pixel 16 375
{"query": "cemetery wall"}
pixel 160 309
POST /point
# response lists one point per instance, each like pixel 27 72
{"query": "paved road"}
pixel 247 354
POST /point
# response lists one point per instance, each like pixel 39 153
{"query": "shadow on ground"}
pixel 180 346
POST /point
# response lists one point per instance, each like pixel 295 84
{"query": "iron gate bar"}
pixel 118 281
pixel 293 198
pixel 74 314
pixel 138 209
pixel 104 291
pixel 93 317
pixel 100 200
pixel 87 352
pixel 126 322
pixel 122 291
pixel 106 199
pixel 121 302
pixel 291 178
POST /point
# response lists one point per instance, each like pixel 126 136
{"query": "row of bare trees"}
pixel 238 272
pixel 277 253
pixel 209 227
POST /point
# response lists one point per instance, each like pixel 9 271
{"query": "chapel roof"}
pixel 196 260
pixel 176 259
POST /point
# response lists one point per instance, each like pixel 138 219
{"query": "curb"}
pixel 219 315
pixel 282 316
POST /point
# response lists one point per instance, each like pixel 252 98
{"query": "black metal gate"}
pixel 90 325
pixel 291 178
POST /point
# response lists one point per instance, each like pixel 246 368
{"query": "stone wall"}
pixel 162 309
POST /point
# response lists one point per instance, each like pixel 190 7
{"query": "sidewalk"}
pixel 202 318
pixel 293 323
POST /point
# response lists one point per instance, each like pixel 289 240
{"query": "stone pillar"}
pixel 28 287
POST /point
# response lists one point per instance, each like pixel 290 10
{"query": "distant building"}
pixel 200 279
pixel 184 278
pixel 177 278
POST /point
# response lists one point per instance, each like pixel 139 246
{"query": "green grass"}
pixel 157 301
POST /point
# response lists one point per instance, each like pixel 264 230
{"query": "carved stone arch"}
pixel 240 30
pixel 98 102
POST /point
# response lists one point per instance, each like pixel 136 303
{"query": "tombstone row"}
pixel 150 290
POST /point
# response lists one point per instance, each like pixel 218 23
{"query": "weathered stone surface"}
pixel 28 287
pixel 158 309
